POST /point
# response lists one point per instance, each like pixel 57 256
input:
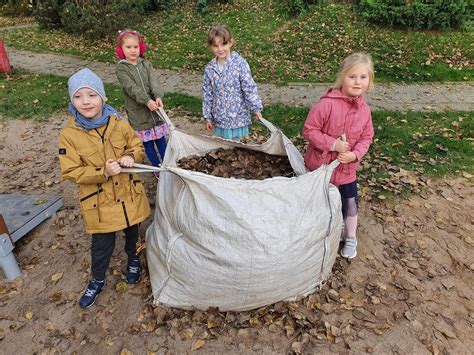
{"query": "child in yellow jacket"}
pixel 93 148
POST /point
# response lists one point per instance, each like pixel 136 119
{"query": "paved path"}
pixel 417 97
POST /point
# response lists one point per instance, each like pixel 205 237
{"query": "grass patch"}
pixel 279 50
pixel 407 146
pixel 26 96
pixel 33 96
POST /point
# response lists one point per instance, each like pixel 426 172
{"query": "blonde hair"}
pixel 349 62
pixel 221 31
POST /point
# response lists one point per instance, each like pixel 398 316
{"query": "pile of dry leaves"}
pixel 239 163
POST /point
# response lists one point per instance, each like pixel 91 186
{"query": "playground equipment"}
pixel 19 214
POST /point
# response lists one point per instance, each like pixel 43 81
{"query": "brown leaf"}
pixel 198 344
pixel 297 347
pixel 186 334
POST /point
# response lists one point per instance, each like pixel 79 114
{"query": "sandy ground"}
pixel 409 291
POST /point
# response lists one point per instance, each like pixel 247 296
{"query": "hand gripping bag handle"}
pixel 165 117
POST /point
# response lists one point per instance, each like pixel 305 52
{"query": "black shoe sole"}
pixel 133 283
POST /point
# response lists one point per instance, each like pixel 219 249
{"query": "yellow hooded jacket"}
pixel 107 205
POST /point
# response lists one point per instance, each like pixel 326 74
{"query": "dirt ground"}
pixel 410 290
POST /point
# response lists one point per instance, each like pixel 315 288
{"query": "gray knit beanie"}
pixel 85 78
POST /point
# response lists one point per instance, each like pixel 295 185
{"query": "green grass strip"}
pixel 424 143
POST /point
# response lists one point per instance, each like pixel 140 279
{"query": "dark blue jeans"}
pixel 102 248
pixel 151 151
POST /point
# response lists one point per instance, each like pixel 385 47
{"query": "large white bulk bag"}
pixel 240 244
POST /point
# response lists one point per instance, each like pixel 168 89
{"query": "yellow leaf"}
pixel 198 344
pixel 29 315
pixel 254 321
pixel 121 287
pixel 40 201
pixel 57 276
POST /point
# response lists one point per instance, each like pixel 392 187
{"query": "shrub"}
pixel 163 4
pixel 16 8
pixel 98 19
pixel 417 14
pixel 48 13
pixel 299 7
pixel 203 6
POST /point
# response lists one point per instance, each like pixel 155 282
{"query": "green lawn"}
pixel 408 147
pixel 279 49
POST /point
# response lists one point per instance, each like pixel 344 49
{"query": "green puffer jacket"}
pixel 140 84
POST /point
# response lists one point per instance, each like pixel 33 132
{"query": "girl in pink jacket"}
pixel 339 126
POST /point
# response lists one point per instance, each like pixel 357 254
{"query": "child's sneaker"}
pixel 93 289
pixel 133 270
pixel 349 250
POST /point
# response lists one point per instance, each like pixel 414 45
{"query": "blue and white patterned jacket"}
pixel 230 96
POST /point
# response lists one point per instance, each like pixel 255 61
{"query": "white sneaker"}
pixel 349 250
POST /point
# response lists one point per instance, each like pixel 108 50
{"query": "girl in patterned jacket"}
pixel 339 126
pixel 230 95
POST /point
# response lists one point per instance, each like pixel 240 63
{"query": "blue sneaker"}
pixel 93 289
pixel 133 270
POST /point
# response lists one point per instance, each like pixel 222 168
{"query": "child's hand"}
pixel 152 106
pixel 158 102
pixel 209 126
pixel 112 168
pixel 126 161
pixel 341 146
pixel 258 116
pixel 347 157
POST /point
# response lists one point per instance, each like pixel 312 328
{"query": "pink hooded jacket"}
pixel 327 120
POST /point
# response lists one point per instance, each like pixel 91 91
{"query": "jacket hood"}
pixel 337 94
pixel 124 61
pixel 234 56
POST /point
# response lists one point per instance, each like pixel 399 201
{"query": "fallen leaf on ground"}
pixel 57 276
pixel 121 287
pixel 198 344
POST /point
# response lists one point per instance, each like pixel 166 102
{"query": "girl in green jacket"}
pixel 142 94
